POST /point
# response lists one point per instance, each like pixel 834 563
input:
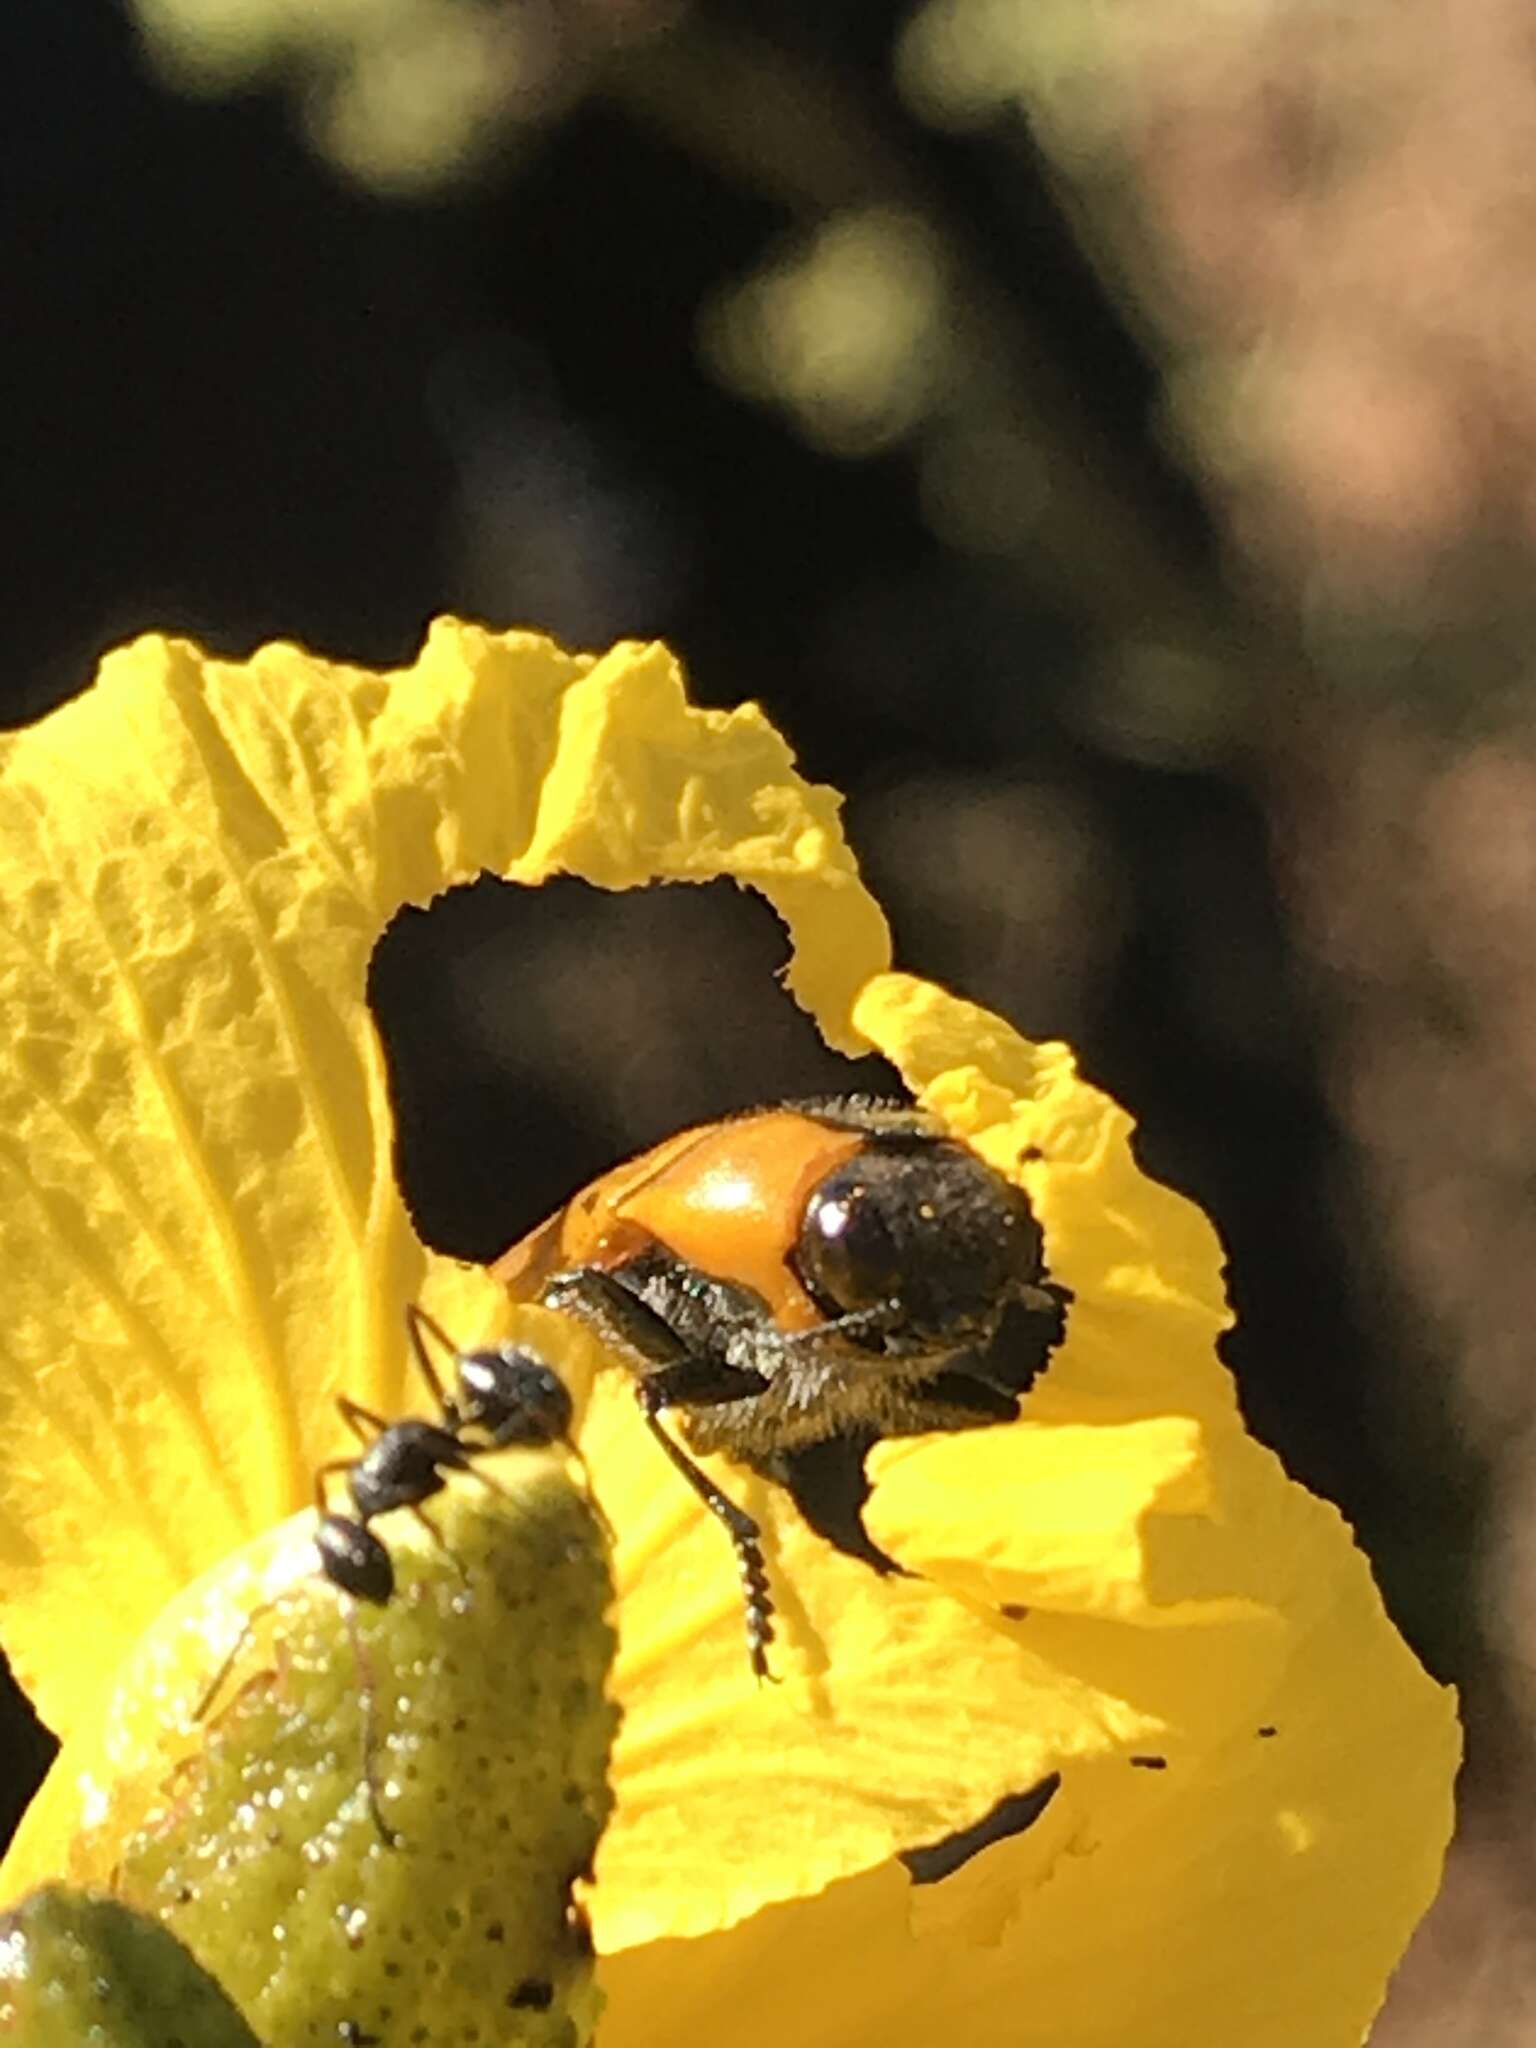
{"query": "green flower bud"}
pixel 77 1968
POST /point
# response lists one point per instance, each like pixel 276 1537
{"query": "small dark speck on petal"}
pixel 1267 1731
pixel 1149 1763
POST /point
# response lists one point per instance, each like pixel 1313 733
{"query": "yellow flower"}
pixel 1123 1617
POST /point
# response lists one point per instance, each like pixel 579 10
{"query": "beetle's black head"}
pixel 922 1228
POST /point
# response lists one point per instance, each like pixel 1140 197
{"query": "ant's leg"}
pixel 322 1507
pixel 744 1532
pixel 366 1686
pixel 495 1485
pixel 369 1691
pixel 485 1478
pixel 439 1538
pixel 362 1422
pixel 215 1684
pixel 417 1320
pixel 574 1450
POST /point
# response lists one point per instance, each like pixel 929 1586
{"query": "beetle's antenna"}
pixel 852 1323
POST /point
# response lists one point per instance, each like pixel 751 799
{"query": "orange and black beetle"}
pixel 797 1283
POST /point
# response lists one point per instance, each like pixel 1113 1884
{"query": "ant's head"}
pixel 504 1389
pixel 514 1396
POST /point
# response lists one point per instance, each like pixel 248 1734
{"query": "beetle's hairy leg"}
pixel 671 1375
pixel 617 1315
pixel 744 1532
pixel 678 1375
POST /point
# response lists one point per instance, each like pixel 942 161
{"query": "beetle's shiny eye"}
pixel 927 1231
pixel 846 1249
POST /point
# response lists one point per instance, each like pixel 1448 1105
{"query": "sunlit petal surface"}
pixel 199 1227
pixel 1119 1601
pixel 1123 1588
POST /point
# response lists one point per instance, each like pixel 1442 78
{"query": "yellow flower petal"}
pixel 1143 1258
pixel 1188 1656
pixel 1116 1597
pixel 1117 1921
pixel 899 1717
pixel 198 1219
pixel 1122 1589
pixel 647 788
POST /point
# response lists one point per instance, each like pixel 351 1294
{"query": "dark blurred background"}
pixel 1100 435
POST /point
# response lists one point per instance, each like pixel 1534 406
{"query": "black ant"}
pixel 504 1393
